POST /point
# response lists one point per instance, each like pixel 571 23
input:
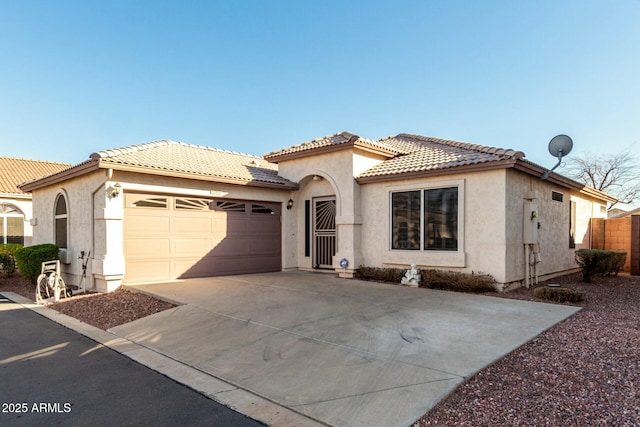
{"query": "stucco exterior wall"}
pixel 555 254
pixel 337 170
pixel 82 194
pixel 481 236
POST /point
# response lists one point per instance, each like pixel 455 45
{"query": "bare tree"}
pixel 617 175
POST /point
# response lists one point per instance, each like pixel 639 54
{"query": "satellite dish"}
pixel 559 146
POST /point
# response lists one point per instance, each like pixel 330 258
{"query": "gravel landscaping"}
pixel 584 371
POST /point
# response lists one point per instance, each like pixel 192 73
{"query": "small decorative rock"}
pixel 411 277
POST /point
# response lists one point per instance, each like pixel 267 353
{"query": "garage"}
pixel 168 237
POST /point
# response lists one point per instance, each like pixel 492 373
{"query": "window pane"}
pixel 61 206
pixel 405 220
pixel 154 202
pixel 61 232
pixel 441 219
pixel 192 204
pixel 15 230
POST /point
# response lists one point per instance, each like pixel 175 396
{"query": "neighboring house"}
pixel 166 210
pixel 15 204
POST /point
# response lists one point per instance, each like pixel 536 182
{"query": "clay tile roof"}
pixel 428 154
pixel 16 171
pixel 336 141
pixel 201 161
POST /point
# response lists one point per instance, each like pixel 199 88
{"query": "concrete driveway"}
pixel 342 352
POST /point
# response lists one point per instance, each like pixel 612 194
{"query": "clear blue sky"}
pixel 254 76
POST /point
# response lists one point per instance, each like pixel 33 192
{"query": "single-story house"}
pixel 166 210
pixel 15 204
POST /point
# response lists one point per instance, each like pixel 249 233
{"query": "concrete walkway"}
pixel 338 352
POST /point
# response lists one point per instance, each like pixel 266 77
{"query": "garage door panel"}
pixel 148 270
pixel 147 247
pixel 168 241
pixel 191 246
pixel 192 225
pixel 265 245
pixel 142 224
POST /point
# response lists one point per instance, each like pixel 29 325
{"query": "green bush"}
pixel 434 279
pixel 458 282
pixel 30 259
pixel 391 275
pixel 558 294
pixel 597 261
pixel 7 260
pixel 7 263
pixel 10 248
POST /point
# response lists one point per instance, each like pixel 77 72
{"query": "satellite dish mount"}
pixel 559 146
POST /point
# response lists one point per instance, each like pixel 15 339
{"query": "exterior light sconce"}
pixel 317 178
pixel 114 191
pixel 289 204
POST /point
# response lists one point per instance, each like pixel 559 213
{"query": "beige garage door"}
pixel 171 237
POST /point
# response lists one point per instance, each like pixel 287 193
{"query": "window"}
pixel 556 196
pixel 230 206
pixel 61 222
pixel 425 219
pixel 441 219
pixel 261 209
pixel 405 220
pixel 572 225
pixel 193 204
pixel 11 224
pixel 152 202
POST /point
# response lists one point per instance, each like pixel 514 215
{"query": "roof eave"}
pixel 210 178
pixel 563 181
pixel 73 172
pixel 275 157
pixel 476 167
pixel 15 196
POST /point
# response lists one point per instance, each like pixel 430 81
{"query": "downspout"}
pixel 93 215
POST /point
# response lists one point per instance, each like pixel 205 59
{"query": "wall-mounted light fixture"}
pixel 317 178
pixel 114 191
pixel 290 204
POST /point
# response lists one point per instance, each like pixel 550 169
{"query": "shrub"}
pixel 7 263
pixel 558 294
pixel 7 260
pixel 434 279
pixel 391 275
pixel 597 261
pixel 30 259
pixel 458 282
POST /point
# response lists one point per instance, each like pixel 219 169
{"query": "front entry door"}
pixel 324 231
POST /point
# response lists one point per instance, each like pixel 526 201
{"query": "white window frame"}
pixel 8 210
pixel 436 258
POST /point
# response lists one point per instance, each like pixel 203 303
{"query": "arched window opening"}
pixel 61 222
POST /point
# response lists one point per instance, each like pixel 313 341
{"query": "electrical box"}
pixel 530 222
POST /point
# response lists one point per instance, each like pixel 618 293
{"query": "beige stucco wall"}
pixel 336 170
pixel 481 233
pixel 83 194
pixel 554 216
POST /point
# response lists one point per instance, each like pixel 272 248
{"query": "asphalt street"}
pixel 50 375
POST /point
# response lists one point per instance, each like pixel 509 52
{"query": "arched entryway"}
pixel 11 224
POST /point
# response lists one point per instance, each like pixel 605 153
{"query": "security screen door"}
pixel 324 231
